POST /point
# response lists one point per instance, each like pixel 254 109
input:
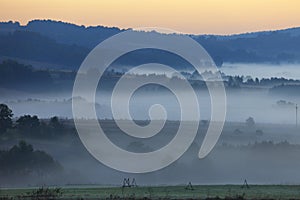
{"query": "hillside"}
pixel 67 44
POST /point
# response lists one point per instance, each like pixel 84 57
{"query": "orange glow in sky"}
pixel 188 16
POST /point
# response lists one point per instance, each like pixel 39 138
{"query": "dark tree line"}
pixel 238 81
pixel 31 126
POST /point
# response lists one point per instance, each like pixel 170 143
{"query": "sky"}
pixel 187 16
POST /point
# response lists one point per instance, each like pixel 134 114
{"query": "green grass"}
pixel 173 192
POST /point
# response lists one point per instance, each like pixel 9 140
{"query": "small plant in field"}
pixel 43 193
pixel 150 191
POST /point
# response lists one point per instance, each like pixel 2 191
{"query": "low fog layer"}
pixel 264 151
pixel 260 153
pixel 241 104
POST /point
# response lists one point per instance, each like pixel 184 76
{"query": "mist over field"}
pixel 242 152
pixel 241 104
pixel 257 152
pixel 260 141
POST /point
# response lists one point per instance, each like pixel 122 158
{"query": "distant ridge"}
pixel 67 44
pixel 295 31
pixel 63 32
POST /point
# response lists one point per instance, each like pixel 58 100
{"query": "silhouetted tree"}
pixel 55 123
pixel 250 122
pixel 5 118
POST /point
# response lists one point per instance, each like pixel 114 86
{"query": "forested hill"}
pixel 66 44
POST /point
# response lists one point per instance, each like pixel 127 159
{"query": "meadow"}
pixel 165 192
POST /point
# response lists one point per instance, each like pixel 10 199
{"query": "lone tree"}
pixel 55 123
pixel 250 122
pixel 5 118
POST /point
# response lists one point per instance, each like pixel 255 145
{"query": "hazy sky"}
pixel 189 16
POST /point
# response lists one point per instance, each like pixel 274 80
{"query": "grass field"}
pixel 170 192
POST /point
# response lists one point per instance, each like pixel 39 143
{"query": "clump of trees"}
pixel 23 160
pixel 28 123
